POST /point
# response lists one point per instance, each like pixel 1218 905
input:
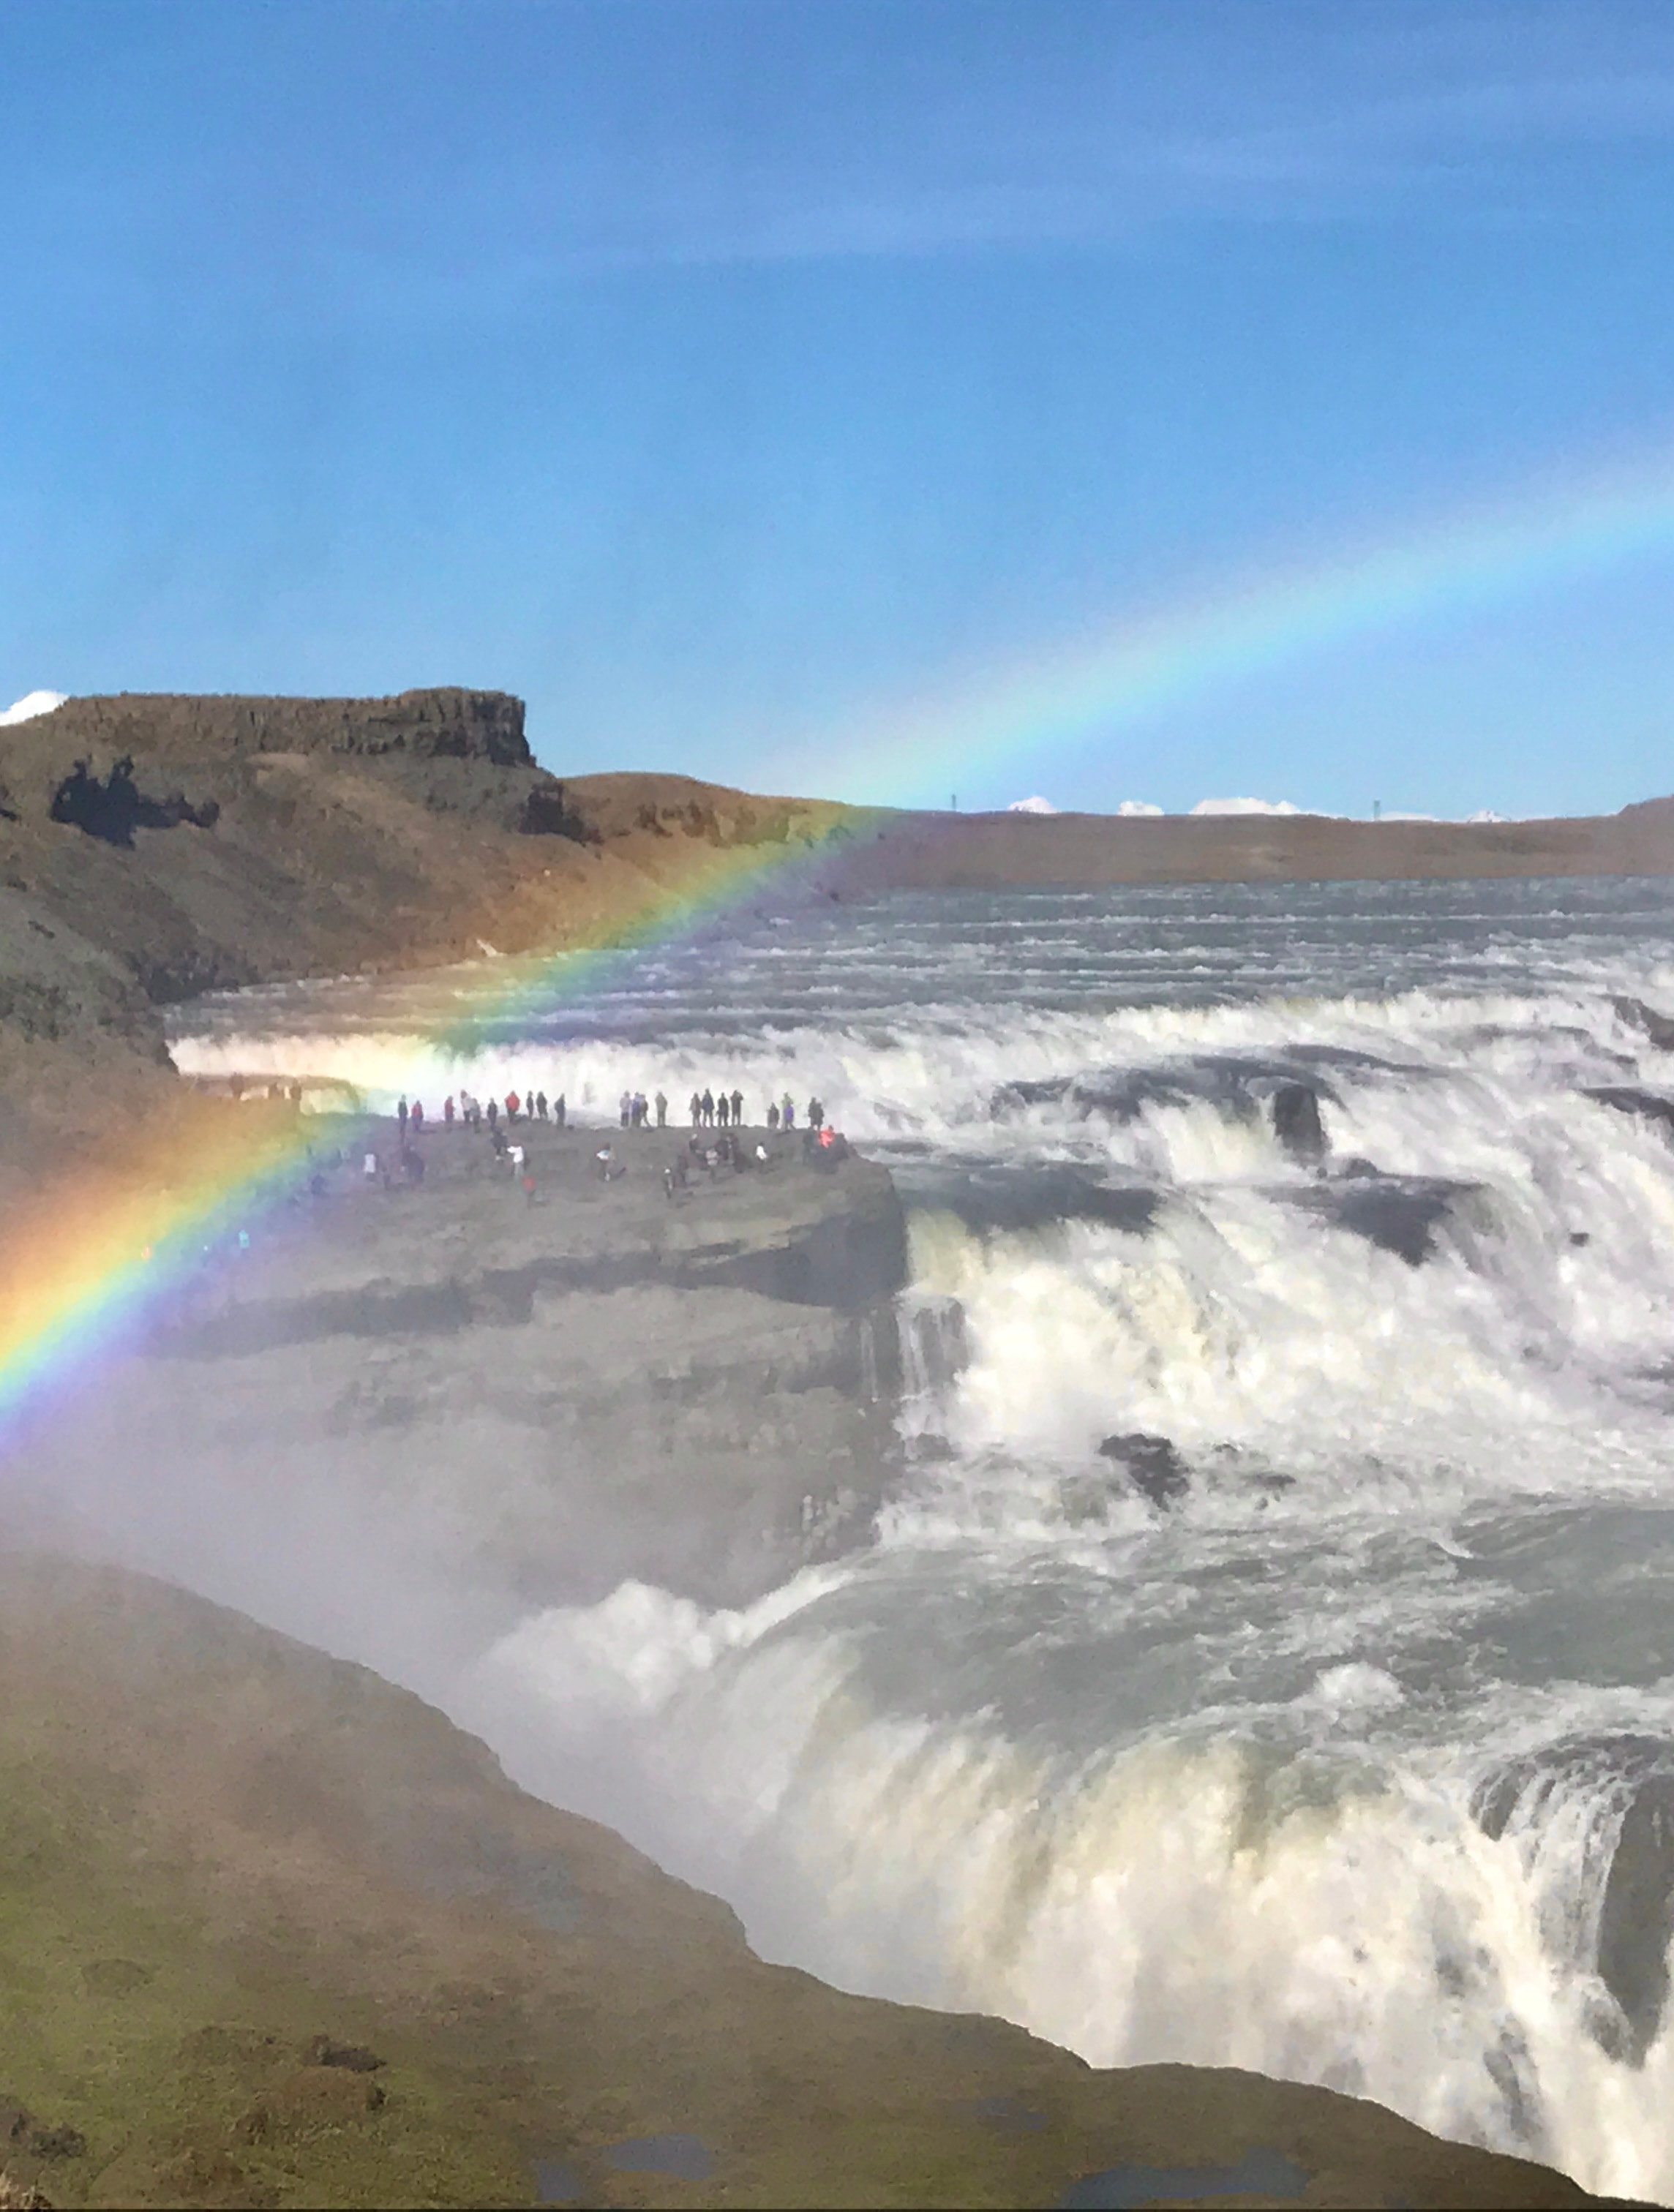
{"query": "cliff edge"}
pixel 154 845
pixel 276 1933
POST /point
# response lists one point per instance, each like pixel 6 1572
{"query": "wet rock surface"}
pixel 1398 1213
pixel 1152 1463
pixel 1637 1921
pixel 696 1391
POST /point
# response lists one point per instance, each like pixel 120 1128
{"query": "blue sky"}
pixel 728 377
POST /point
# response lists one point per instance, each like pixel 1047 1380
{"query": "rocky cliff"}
pixel 272 1931
pixel 544 1398
pixel 152 846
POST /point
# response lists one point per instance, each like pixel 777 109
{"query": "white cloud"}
pixel 1245 806
pixel 1031 806
pixel 1138 806
pixel 31 704
pixel 1482 814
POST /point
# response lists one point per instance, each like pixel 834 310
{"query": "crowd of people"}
pixel 708 1109
pixel 722 1111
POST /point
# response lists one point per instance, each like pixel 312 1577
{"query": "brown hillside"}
pixel 274 1933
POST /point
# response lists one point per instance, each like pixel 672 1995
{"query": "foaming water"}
pixel 1270 1659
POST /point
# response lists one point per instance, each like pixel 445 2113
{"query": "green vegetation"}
pixel 275 1933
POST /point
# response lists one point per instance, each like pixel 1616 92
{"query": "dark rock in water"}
pixel 933 1349
pixel 1029 1197
pixel 1637 1015
pixel 1638 1918
pixel 1042 1093
pixel 1346 1056
pixel 1398 1213
pixel 1296 1121
pixel 1153 1465
pixel 1232 1083
pixel 1649 1105
pixel 1356 1167
pixel 1636 1921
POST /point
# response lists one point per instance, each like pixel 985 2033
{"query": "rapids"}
pixel 1347 1753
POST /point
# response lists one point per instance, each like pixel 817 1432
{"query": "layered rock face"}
pixel 547 1398
pixel 451 723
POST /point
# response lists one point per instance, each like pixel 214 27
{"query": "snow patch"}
pixel 1031 806
pixel 1138 806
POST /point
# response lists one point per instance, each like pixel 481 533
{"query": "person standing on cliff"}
pixel 772 1120
pixel 723 1109
pixel 447 1111
pixel 787 1112
pixel 418 1115
pixel 559 1109
pixel 696 1111
pixel 540 1104
pixel 493 1116
pixel 738 1110
pixel 816 1115
pixel 401 1118
pixel 708 1108
pixel 661 1105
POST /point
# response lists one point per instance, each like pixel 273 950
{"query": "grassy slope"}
pixel 218 1845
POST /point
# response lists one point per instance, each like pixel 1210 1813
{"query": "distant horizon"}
pixel 35 704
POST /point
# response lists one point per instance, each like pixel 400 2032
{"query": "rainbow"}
pixel 86 1268
pixel 1004 720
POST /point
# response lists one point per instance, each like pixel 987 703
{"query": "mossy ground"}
pixel 217 1846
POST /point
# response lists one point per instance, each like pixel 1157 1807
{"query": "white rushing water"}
pixel 1332 1737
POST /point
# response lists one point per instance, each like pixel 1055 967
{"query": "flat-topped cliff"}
pixel 152 846
pixel 447 723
